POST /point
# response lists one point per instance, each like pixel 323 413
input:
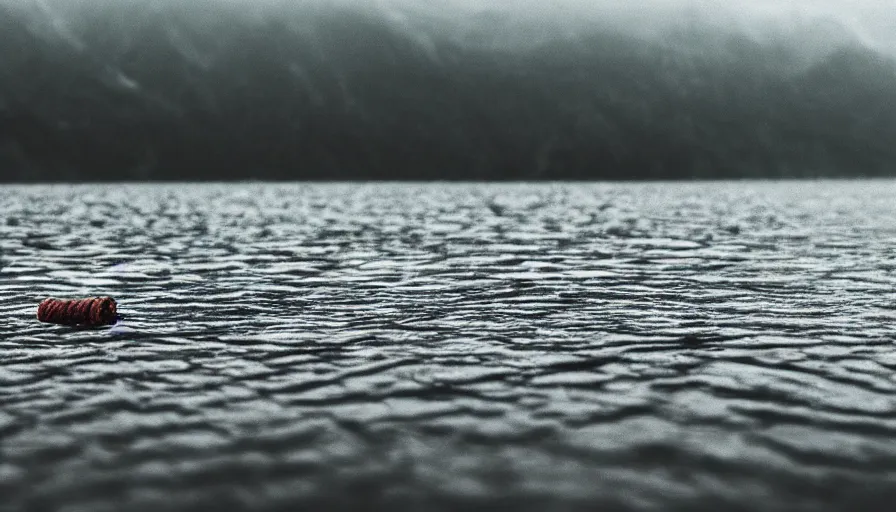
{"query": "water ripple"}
pixel 640 347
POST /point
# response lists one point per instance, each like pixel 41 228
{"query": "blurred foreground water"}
pixel 659 346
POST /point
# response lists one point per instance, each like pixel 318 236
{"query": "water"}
pixel 547 347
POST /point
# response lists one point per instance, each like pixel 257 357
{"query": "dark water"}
pixel 543 347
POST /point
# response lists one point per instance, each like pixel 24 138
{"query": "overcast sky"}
pixel 872 21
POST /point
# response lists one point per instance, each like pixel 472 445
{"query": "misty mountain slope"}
pixel 166 93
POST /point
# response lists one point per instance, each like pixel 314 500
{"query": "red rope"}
pixel 95 311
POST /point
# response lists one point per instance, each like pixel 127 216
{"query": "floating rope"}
pixel 92 312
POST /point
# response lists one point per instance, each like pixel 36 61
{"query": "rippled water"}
pixel 638 346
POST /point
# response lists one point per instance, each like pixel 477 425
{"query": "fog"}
pixel 472 89
pixel 873 22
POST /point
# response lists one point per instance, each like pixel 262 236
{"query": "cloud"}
pixel 872 22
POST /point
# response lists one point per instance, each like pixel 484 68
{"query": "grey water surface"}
pixel 655 346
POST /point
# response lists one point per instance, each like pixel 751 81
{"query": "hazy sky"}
pixel 872 21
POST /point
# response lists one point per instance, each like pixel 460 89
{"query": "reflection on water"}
pixel 645 346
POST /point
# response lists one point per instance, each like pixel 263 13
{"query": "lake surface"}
pixel 657 346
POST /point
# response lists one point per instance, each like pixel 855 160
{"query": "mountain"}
pixel 154 91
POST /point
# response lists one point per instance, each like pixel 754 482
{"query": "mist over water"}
pixel 346 89
pixel 525 346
